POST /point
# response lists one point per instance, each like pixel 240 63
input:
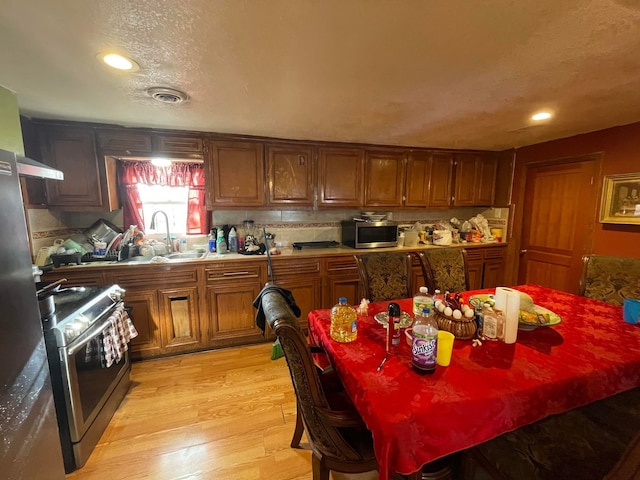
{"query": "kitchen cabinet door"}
pixel 181 321
pixel 384 178
pixel 235 174
pixel 177 144
pixel 475 267
pixel 340 279
pixel 231 289
pixel 340 177
pixel 124 142
pixel 303 278
pixel 429 178
pixel 475 179
pixel 145 315
pixel 89 182
pixel 290 175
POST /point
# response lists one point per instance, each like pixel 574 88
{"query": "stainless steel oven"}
pixel 90 376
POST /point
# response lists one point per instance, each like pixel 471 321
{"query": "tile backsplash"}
pixel 288 225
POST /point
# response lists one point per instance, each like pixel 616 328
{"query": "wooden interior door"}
pixel 559 215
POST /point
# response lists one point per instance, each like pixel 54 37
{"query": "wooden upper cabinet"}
pixel 124 142
pixel 176 144
pixel 290 175
pixel 384 178
pixel 89 181
pixel 429 178
pixel 235 174
pixel 475 179
pixel 340 177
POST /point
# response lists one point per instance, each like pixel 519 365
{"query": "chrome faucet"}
pixel 153 226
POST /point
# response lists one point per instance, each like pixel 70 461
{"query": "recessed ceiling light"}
pixel 537 117
pixel 119 62
pixel 160 162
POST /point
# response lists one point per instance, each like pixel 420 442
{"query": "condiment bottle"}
pixel 424 348
pixel 493 324
pixel 212 240
pixel 393 327
pixel 344 322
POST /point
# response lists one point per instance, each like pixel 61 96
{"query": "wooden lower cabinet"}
pixel 230 292
pixel 303 278
pixel 181 318
pixel 145 314
pixel 485 266
pixel 340 280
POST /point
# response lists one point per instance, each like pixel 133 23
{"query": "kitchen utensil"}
pixel 48 287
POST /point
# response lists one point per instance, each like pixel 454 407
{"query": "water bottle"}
pixel 344 325
pixel 421 300
pixel 233 240
pixel 424 348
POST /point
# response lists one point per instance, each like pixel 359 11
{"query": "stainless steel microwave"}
pixel 358 234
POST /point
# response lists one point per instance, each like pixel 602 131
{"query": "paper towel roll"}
pixel 511 316
pixel 501 297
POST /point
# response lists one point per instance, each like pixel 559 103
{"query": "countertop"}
pixel 286 252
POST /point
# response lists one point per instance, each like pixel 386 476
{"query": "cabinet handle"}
pixel 522 252
pixel 301 160
pixel 234 274
pixel 179 299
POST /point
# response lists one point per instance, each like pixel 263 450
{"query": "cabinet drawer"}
pixel 296 267
pixel 341 266
pixel 494 253
pixel 226 273
pixel 125 141
pixel 131 276
pixel 474 255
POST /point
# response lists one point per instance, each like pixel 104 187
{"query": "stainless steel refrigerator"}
pixel 30 441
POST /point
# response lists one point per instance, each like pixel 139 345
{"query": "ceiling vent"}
pixel 168 95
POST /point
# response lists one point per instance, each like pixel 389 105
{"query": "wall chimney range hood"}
pixel 32 168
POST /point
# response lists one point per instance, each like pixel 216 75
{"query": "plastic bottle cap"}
pixel 342 300
pixel 424 290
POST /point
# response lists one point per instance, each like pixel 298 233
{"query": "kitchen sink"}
pixel 184 255
pixel 177 256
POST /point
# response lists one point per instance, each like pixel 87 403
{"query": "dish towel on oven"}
pixel 116 337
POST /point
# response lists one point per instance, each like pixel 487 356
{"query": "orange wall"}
pixel 621 149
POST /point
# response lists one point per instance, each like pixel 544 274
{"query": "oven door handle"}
pixel 74 348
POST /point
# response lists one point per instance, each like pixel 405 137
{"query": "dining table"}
pixel 489 388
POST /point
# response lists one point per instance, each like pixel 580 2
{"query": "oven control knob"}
pixel 117 294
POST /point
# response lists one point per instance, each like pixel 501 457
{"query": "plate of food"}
pixel 529 319
pixel 406 320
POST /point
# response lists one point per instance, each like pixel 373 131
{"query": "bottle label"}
pixel 354 326
pixel 424 351
pixel 490 326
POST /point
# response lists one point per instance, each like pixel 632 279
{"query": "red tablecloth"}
pixel 487 390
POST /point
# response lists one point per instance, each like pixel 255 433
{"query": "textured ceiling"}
pixel 439 73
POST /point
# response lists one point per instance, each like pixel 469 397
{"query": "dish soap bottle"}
pixel 212 240
pixel 221 244
pixel 233 240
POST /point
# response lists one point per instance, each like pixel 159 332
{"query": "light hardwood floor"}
pixel 223 414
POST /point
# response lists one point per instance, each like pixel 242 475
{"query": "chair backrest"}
pixel 385 275
pixel 325 439
pixel 610 279
pixel 445 269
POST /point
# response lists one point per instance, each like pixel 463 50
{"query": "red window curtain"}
pixel 179 174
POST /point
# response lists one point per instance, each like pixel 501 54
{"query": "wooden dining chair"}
pixel 587 443
pixel 338 437
pixel 385 275
pixel 445 269
pixel 610 279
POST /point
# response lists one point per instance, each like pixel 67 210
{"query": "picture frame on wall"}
pixel 621 199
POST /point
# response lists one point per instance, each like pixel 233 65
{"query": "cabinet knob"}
pixel 522 252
